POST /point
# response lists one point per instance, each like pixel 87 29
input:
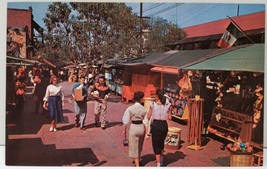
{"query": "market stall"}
pixel 237 79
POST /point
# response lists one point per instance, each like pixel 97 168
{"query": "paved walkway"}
pixel 29 142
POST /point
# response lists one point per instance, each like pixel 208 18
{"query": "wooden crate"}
pixel 78 94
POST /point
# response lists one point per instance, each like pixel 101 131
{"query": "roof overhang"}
pixel 23 60
pixel 243 58
pixel 165 69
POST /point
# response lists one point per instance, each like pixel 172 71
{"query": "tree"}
pixel 88 32
pixel 93 32
pixel 57 45
pixel 162 34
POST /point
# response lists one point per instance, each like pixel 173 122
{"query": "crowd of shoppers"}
pixel 50 94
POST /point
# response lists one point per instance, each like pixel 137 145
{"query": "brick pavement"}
pixel 29 142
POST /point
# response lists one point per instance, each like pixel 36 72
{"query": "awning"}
pixel 19 64
pixel 249 58
pixel 23 60
pixel 185 58
pixel 163 69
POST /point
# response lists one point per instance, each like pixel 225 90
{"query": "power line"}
pixel 188 10
pixel 166 9
pixel 194 10
pixel 200 6
pixel 149 7
pixel 200 14
pixel 153 7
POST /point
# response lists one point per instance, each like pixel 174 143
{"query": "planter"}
pixel 240 159
pixel 173 138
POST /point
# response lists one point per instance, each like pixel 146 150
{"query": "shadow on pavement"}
pixel 89 126
pixel 147 158
pixel 222 161
pixel 67 111
pixel 100 163
pixel 25 123
pixel 32 152
pixel 111 124
pixel 181 144
pixel 173 157
pixel 205 141
pixel 66 127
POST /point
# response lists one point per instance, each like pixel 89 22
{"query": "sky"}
pixel 182 14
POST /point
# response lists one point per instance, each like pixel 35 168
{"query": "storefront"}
pixel 230 81
pixel 237 79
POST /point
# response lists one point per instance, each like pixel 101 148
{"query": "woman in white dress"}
pixel 54 101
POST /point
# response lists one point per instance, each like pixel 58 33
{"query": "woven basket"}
pixel 175 130
pixel 239 159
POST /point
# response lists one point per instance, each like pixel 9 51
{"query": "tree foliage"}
pixel 162 34
pixel 89 32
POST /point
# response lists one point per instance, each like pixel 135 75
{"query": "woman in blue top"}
pixel 80 106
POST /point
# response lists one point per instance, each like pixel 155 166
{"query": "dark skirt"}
pixel 159 132
pixel 55 109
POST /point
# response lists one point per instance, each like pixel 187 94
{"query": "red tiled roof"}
pixel 245 22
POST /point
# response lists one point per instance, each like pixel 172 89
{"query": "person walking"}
pixel 20 89
pixel 101 93
pixel 80 105
pixel 39 92
pixel 159 112
pixel 135 115
pixel 54 102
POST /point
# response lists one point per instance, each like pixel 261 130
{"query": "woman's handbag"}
pixel 125 141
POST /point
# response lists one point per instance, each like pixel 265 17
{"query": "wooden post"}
pixel 194 119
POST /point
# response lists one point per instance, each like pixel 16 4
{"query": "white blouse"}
pixel 135 112
pixel 53 90
pixel 160 111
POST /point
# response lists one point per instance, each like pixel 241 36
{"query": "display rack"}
pixel 227 124
pixel 195 123
pixel 185 115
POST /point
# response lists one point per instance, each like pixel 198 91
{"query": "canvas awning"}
pixel 20 60
pixel 249 58
pixel 164 69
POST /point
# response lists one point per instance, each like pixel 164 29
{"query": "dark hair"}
pixel 82 77
pixel 261 92
pixel 138 96
pixel 101 76
pixel 51 78
pixel 161 96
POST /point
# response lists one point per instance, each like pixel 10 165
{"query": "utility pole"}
pixel 141 27
pixel 176 15
pixel 141 17
pixel 237 14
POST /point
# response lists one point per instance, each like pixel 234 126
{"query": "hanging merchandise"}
pixel 186 86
